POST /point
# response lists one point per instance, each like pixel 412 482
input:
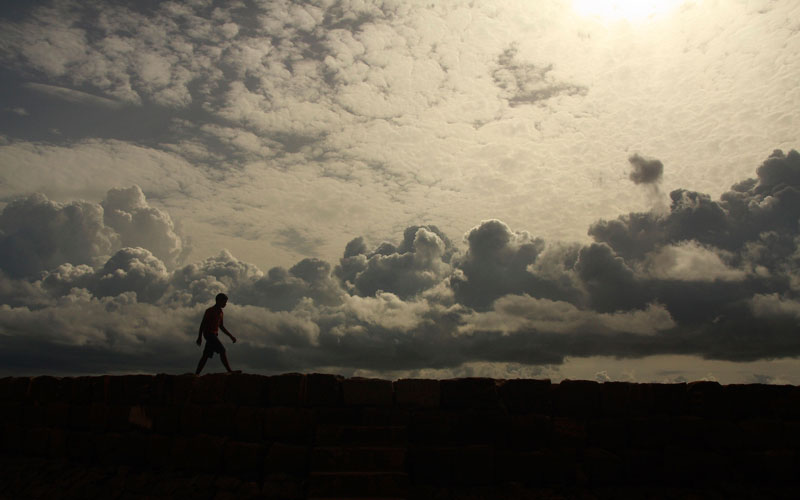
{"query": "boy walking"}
pixel 209 328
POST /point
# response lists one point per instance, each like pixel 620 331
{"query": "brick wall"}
pixel 315 435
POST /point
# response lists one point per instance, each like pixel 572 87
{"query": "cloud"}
pixel 75 96
pixel 37 234
pixel 690 261
pixel 645 170
pixel 420 262
pixel 522 313
pixel 525 83
pixel 500 261
pixel 127 212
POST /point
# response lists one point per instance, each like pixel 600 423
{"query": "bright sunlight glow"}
pixel 629 10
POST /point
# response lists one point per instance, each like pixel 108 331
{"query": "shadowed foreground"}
pixel 321 436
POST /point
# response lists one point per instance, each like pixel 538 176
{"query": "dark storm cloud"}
pixel 37 234
pixel 525 83
pixel 645 170
pixel 713 278
pixel 497 263
pixel 420 262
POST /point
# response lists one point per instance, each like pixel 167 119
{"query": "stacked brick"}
pixel 322 436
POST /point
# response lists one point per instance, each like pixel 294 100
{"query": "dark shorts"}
pixel 212 345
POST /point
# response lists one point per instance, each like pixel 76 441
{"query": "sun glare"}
pixel 629 10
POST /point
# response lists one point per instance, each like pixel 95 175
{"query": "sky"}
pixel 602 190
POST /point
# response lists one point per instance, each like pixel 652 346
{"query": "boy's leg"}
pixel 224 357
pixel 201 364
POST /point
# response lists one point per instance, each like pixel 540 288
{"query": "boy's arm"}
pixel 200 333
pixel 225 330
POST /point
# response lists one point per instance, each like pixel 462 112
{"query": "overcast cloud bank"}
pixel 97 287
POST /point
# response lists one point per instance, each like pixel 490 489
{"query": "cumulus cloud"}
pixel 417 264
pixel 127 212
pixel 645 170
pixel 37 234
pixel 714 278
pixel 500 261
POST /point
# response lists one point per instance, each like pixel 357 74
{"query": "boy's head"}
pixel 221 299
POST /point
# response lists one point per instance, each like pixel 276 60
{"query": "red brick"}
pixel 723 436
pixel 383 415
pixel 602 466
pixel 526 395
pixel 219 419
pixel 33 415
pixel 686 432
pixel 669 399
pixel 57 444
pixel 417 393
pixel 761 434
pixel 569 432
pixel 246 389
pixel 323 390
pixel 432 464
pixel 10 412
pixel 140 417
pixel 560 466
pixel 640 400
pixel 56 415
pixel 118 417
pixel 209 389
pixel 284 487
pixel 244 459
pixel 609 433
pixel 685 465
pixel 287 459
pixel 519 466
pixel 473 466
pixel 115 389
pixel 166 419
pixel 180 388
pixel 576 398
pixel 191 420
pixel 12 438
pixel 705 399
pixel 159 450
pixel 290 425
pixel 643 466
pixel 432 427
pixel 649 432
pixel 470 393
pixel 18 388
pixel 79 416
pixel 35 441
pixel 81 446
pixel 529 431
pixel 46 389
pixel 248 424
pixel 98 417
pixel 614 399
pixel 286 390
pixel 201 453
pixel 132 449
pixel 480 427
pixel 367 392
pixel 142 389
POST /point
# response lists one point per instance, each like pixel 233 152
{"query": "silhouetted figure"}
pixel 209 328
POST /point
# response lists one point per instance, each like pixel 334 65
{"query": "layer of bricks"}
pixel 287 435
